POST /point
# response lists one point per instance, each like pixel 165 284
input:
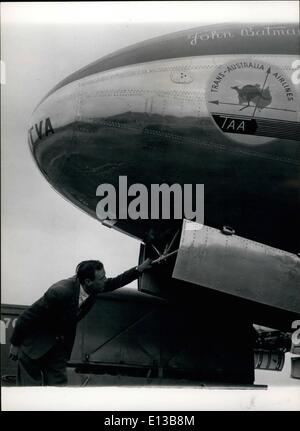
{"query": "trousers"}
pixel 49 370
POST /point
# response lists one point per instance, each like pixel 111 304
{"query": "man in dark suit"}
pixel 44 333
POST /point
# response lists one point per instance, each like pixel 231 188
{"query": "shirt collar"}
pixel 82 295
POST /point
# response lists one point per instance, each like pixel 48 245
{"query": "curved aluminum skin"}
pixel 145 113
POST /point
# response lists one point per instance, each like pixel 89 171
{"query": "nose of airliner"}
pixel 83 135
pixel 53 140
pixel 51 127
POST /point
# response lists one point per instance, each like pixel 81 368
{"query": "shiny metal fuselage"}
pixel 143 113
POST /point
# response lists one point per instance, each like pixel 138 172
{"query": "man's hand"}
pixel 13 352
pixel 147 264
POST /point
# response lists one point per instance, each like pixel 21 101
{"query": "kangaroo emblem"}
pixel 253 93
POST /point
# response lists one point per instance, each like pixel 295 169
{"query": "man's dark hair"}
pixel 87 268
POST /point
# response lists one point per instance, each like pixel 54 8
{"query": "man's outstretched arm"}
pixel 127 276
pixel 113 284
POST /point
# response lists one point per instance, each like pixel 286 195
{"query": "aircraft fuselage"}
pixel 216 105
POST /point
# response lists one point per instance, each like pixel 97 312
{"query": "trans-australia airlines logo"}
pixel 253 102
pixel 260 97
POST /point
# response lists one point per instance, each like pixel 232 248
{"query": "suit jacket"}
pixel 57 313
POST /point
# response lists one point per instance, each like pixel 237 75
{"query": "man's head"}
pixel 91 275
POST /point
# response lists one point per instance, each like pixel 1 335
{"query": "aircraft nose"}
pixel 56 113
pixel 51 128
pixel 77 142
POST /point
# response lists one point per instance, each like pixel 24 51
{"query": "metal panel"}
pixel 238 266
pixel 134 334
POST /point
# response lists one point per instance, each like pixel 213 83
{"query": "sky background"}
pixel 44 236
